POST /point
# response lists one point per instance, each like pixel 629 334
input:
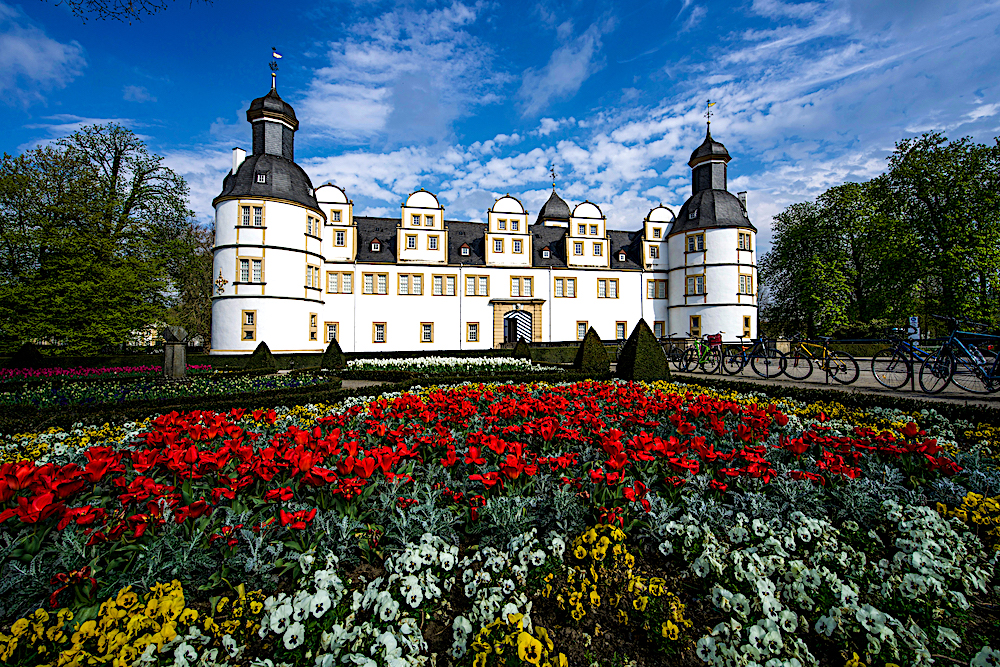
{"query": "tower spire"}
pixel 708 113
pixel 552 173
pixel 274 67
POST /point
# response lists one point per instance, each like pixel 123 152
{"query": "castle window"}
pixel 656 232
pixel 428 220
pixel 598 249
pixel 465 251
pixel 593 230
pixel 581 229
pixel 375 283
pixel 426 332
pixel 472 332
pixel 331 332
pixel 432 243
pixel 501 224
pixel 695 242
pixel 477 286
pixel 378 332
pixel 620 330
pixel 546 254
pixel 514 225
pixel 658 329
pixel 497 245
pixel 746 326
pixel 339 239
pixel 411 283
pixel 695 285
pixel 443 285
pixel 244 270
pixel 746 284
pixel 607 288
pixel 246 216
pixel 411 241
pixel 520 286
pixel 415 218
pixel 621 256
pixel 581 330
pixel 313 326
pixel 694 326
pixel 693 214
pixel 262 178
pixel 312 226
pixel 258 216
pixel 376 246
pixel 656 289
pixel 565 287
pixel 339 283
pixel 744 243
pixel 517 246
pixel 257 271
pixel 312 277
pixel 249 327
pixel 654 252
pixel 577 248
pixel 335 216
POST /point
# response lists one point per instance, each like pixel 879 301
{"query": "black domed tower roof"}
pixel 710 204
pixel 270 171
pixel 555 209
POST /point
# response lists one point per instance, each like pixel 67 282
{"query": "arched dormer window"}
pixel 376 246
pixel 621 256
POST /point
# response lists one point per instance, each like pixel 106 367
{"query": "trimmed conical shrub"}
pixel 262 360
pixel 592 357
pixel 642 358
pixel 521 350
pixel 333 358
pixel 27 356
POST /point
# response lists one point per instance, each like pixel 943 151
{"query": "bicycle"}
pixel 706 354
pixel 964 365
pixel 891 367
pixel 675 353
pixel 841 366
pixel 765 362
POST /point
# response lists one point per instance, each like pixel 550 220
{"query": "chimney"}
pixel 742 196
pixel 238 156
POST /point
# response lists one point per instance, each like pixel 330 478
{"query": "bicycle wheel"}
pixel 690 360
pixel 733 360
pixel 768 364
pixel 710 361
pixel 936 372
pixel 843 368
pixel 970 376
pixel 890 368
pixel 798 366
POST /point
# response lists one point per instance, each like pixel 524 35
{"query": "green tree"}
pixel 87 228
pixel 190 270
pixel 948 193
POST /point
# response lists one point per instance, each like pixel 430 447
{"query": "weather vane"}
pixel 708 111
pixel 552 172
pixel 274 66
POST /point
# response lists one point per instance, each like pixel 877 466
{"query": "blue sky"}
pixel 476 99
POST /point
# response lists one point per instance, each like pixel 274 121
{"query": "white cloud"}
pixel 33 62
pixel 569 66
pixel 404 76
pixel 137 94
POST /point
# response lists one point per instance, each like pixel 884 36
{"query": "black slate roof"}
pixel 370 229
pixel 625 241
pixel 272 103
pixel 285 180
pixel 554 209
pixel 709 147
pixel 551 237
pixel 472 234
pixel 715 208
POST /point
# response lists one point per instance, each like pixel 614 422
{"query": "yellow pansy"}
pixel 529 649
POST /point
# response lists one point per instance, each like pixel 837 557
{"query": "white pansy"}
pixel 948 637
pixel 826 625
pixel 294 636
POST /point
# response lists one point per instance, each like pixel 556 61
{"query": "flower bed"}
pixel 20 374
pixel 487 525
pixel 70 393
pixel 477 366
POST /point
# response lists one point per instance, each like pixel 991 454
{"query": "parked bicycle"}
pixel 891 367
pixel 962 362
pixel 705 354
pixel 675 352
pixel 804 354
pixel 767 362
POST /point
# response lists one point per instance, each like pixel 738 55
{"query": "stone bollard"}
pixel 174 353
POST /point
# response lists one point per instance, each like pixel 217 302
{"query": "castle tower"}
pixel 712 247
pixel 268 256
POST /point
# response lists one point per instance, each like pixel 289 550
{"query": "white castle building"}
pixel 296 267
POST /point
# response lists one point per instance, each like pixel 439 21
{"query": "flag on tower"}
pixel 274 53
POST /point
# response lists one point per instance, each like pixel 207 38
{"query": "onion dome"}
pixel 710 209
pixel 272 106
pixel 555 209
pixel 709 149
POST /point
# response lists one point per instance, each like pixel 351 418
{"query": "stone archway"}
pixel 517 326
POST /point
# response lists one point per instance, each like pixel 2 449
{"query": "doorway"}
pixel 517 326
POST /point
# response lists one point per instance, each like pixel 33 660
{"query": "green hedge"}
pixel 972 413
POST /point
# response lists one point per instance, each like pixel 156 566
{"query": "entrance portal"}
pixel 517 326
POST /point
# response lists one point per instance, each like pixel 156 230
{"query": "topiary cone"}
pixel 591 357
pixel 262 360
pixel 642 358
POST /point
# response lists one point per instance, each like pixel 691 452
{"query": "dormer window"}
pixel 262 178
pixel 465 251
pixel 621 257
pixel 546 253
pixel 376 246
pixel 656 232
pixel 693 214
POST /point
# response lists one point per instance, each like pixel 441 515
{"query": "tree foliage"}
pixel 88 227
pixel 922 238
